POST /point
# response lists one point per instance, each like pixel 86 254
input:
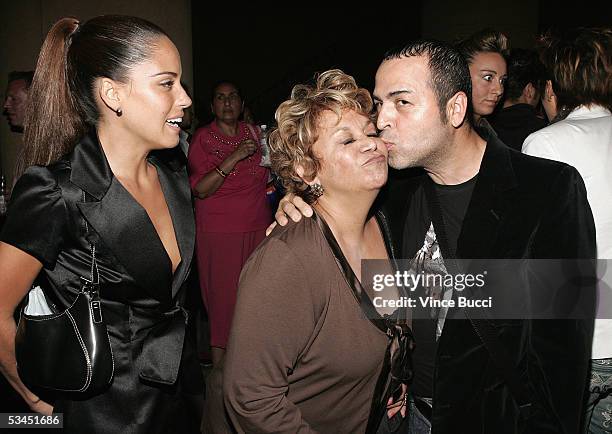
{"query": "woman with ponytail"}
pixel 100 165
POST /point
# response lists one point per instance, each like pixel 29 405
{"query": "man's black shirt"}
pixel 420 243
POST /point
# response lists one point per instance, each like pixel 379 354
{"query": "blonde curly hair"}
pixel 297 127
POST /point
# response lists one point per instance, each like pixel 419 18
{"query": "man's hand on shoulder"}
pixel 290 206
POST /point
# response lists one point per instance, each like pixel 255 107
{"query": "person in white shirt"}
pixel 578 101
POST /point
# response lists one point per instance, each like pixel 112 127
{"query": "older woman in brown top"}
pixel 307 347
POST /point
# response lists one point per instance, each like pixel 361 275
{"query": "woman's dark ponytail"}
pixel 52 123
pixel 62 104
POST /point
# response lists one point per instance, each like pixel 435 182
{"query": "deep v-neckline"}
pixel 173 269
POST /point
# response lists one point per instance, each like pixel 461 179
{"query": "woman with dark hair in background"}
pixel 486 53
pixel 100 165
pixel 232 210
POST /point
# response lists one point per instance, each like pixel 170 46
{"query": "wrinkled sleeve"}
pixel 37 216
pixel 199 158
pixel 273 323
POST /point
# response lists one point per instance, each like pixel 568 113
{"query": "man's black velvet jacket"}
pixel 522 207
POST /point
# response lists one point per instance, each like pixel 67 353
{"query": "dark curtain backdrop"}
pixel 268 51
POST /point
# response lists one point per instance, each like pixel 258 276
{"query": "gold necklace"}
pixel 239 137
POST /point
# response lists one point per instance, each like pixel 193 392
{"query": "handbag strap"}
pixel 483 328
pixel 397 363
pixel 94 274
pixel 353 282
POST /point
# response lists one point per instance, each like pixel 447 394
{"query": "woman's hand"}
pixel 41 407
pixel 245 149
pixel 211 181
pixel 401 404
pixel 17 272
pixel 290 206
pixel 34 402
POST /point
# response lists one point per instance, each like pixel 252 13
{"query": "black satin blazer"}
pixel 521 207
pixel 142 301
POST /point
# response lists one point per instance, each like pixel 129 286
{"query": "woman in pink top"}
pixel 231 208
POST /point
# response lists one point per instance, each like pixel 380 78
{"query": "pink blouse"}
pixel 240 204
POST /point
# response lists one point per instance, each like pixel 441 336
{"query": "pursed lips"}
pixel 376 158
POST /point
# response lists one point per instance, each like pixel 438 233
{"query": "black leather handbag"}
pixel 67 351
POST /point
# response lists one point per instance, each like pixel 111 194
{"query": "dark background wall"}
pixel 269 49
pixel 267 53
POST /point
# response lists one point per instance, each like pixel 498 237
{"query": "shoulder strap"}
pixel 360 294
pixel 397 362
pixel 483 328
pixel 94 277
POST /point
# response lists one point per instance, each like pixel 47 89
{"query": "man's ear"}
pixel 549 93
pixel 530 94
pixel 110 94
pixel 456 109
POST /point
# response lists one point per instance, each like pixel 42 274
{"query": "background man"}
pixel 16 97
pixel 517 119
pixel 580 67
